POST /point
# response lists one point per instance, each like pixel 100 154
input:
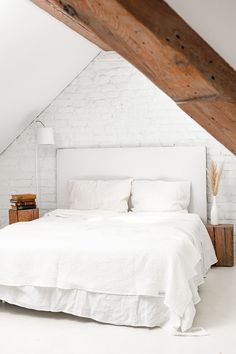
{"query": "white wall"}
pixel 39 57
pixel 109 104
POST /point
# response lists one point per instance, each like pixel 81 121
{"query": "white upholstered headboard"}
pixel 177 163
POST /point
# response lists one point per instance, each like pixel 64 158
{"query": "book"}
pixel 23 207
pixel 19 197
pixel 25 202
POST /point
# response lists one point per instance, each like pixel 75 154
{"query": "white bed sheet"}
pixel 150 258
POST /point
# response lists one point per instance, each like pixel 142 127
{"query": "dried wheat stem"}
pixel 214 176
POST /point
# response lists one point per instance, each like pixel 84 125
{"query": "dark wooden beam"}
pixel 156 40
pixel 64 13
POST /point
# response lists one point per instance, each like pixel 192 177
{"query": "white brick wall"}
pixel 108 104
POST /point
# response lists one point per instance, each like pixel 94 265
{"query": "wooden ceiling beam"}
pixel 157 41
pixel 61 10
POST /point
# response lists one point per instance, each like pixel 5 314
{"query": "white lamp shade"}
pixel 45 136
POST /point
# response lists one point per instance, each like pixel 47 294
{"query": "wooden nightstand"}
pixel 222 237
pixel 23 215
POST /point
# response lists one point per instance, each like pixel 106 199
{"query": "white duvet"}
pixel 158 255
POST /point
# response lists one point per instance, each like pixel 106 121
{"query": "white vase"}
pixel 214 212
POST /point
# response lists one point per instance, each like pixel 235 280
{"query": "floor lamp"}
pixel 45 136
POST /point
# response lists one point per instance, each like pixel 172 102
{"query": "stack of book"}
pixel 23 201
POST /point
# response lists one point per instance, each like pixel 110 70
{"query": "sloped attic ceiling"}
pixel 153 37
pixel 39 57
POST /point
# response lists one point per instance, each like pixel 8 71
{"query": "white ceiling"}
pixel 214 21
pixel 39 57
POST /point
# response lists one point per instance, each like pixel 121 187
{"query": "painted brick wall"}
pixel 109 104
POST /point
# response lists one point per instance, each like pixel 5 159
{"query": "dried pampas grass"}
pixel 214 176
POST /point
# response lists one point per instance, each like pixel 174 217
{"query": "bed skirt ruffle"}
pixel 129 310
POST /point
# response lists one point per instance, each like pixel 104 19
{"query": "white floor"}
pixel 29 332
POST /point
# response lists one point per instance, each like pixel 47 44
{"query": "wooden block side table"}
pixel 23 215
pixel 222 237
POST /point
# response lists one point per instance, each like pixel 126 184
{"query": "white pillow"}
pixel 91 194
pixel 156 195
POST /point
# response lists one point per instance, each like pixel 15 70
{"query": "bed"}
pixel 135 268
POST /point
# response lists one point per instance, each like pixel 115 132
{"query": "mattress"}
pixel 133 269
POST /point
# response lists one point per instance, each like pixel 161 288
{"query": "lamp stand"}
pixel 37 174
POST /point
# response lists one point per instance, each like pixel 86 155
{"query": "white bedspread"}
pixel 154 254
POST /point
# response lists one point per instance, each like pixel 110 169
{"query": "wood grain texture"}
pixel 229 246
pixel 157 41
pixel 220 245
pixel 62 13
pixel 222 240
pixel 13 216
pixel 23 215
pixel 210 229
